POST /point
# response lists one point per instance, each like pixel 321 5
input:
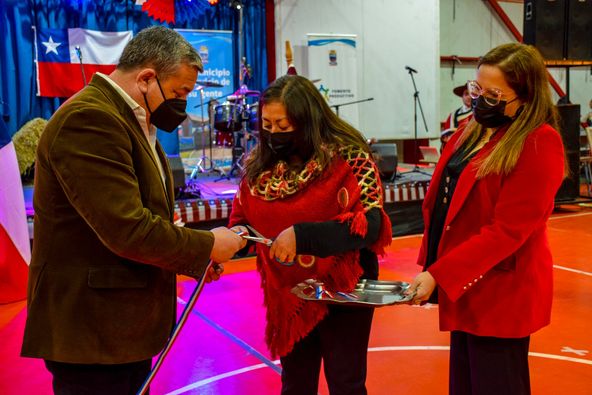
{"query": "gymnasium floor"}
pixel 221 348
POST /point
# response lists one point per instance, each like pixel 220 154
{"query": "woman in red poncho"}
pixel 312 186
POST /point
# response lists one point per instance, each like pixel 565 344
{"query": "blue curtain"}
pixel 18 99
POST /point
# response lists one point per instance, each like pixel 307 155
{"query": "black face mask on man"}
pixel 169 114
pixel 488 115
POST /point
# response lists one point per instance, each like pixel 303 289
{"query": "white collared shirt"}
pixel 140 113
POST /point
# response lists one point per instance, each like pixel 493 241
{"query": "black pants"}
pixel 481 365
pixel 80 379
pixel 341 341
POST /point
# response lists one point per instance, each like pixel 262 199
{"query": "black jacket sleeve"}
pixel 328 238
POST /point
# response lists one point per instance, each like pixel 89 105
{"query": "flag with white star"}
pixel 67 58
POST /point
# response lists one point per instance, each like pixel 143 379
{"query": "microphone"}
pixel 78 52
pixel 411 70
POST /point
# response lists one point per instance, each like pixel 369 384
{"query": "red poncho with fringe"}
pixel 344 191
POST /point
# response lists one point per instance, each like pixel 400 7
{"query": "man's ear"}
pixel 143 79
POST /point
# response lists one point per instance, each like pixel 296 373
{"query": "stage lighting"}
pixel 236 4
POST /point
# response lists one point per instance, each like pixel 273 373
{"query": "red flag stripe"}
pixel 65 79
pixel 13 270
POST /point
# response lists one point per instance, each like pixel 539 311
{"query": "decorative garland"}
pixel 175 11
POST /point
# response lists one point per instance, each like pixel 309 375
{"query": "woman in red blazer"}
pixel 485 252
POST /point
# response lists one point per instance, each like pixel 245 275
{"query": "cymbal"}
pixel 209 84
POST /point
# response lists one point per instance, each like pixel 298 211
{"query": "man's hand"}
pixel 226 244
pixel 214 272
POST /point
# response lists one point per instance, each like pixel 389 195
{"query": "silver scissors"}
pixel 264 240
pixel 258 238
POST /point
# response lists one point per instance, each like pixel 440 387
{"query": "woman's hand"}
pixel 423 285
pixel 283 248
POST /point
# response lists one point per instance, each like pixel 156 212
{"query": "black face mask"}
pixel 169 114
pixel 281 144
pixel 488 115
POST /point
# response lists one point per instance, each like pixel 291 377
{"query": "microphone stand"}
pixel 79 54
pixel 416 102
pixel 336 106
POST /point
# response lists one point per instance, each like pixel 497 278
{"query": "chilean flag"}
pixel 15 250
pixel 59 54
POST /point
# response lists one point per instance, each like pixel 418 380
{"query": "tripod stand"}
pixel 239 140
pixel 416 102
pixel 202 164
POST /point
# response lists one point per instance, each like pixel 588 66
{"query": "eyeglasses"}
pixel 492 96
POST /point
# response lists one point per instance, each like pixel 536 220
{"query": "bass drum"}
pixel 227 117
pixel 224 139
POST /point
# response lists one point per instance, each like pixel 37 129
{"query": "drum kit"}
pixel 235 126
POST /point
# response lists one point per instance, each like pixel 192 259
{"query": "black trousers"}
pixel 80 379
pixel 341 341
pixel 481 365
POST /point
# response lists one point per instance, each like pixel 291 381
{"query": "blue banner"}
pixel 215 49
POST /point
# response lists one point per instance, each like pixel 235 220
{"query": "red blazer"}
pixel 494 270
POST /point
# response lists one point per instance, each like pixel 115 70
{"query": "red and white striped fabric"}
pixel 203 210
pixel 15 250
pixel 407 192
pixel 198 210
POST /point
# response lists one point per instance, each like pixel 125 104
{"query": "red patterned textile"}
pixel 343 191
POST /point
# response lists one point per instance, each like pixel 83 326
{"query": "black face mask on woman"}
pixel 282 144
pixel 169 114
pixel 488 115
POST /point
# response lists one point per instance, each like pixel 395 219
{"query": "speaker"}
pixel 569 127
pixel 560 29
pixel 544 26
pixel 579 30
pixel 386 159
pixel 178 171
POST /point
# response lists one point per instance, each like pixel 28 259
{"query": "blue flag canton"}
pixel 53 46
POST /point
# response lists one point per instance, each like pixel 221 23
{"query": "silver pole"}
pixel 175 333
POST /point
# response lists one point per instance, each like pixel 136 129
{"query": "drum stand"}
pixel 240 141
pixel 238 153
pixel 201 166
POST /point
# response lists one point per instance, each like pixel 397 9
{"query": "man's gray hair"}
pixel 160 48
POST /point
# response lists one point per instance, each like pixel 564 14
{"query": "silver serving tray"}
pixel 366 293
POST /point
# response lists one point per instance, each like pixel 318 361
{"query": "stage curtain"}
pixel 18 100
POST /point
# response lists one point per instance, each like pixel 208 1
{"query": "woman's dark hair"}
pixel 311 117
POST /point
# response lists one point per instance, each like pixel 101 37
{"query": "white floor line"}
pixel 236 372
pixel 212 379
pixel 572 270
pixel 407 237
pixel 569 216
pixel 550 219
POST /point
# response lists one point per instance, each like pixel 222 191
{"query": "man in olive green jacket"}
pixel 102 285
